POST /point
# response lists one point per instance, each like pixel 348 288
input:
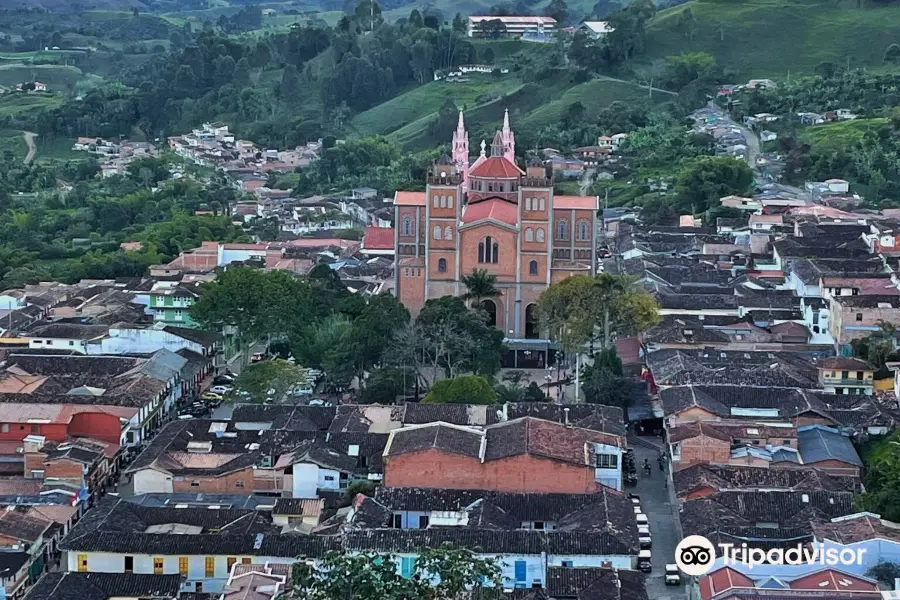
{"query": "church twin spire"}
pixel 504 144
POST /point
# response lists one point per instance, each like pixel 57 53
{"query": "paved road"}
pixel 753 147
pixel 655 504
pixel 32 147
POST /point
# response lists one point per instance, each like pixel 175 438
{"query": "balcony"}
pixel 851 381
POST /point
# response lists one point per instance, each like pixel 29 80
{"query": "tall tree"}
pixel 480 285
pixel 443 573
pixel 559 10
pixel 290 84
pixel 464 389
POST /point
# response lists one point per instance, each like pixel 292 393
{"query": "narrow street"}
pixel 663 528
pixel 754 148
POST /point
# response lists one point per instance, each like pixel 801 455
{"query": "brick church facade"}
pixel 490 214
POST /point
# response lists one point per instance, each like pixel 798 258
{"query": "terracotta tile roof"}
pixel 494 208
pixel 496 166
pixel 845 362
pixel 409 198
pixel 857 528
pixel 576 202
pixel 722 580
pixel 830 579
pixel 379 238
pixel 542 438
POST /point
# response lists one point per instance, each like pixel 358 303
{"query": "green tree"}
pixel 447 336
pixel 602 386
pixel 269 379
pixel 386 384
pixel 290 84
pixel 241 75
pixel 885 572
pixel 422 61
pixel 368 13
pixel 703 181
pixel 459 24
pixel 326 342
pixel 255 302
pixel 882 480
pixel 570 310
pixel 559 10
pixel 442 573
pixel 464 389
pixel 373 330
pixel 480 285
pixel 687 24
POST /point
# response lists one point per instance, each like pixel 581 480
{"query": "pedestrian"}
pixel 661 462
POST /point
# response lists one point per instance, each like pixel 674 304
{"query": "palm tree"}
pixel 480 286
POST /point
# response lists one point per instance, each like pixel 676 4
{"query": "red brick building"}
pixel 523 455
pixel 489 214
pixel 58 422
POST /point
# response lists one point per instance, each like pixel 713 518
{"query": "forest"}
pixel 75 235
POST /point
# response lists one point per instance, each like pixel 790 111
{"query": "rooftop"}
pixel 102 586
pixel 499 166
pixel 735 478
pixel 496 209
pixel 526 435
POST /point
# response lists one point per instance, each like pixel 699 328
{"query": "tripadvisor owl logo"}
pixel 695 555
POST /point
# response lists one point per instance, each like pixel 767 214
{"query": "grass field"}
pixel 770 38
pixel 530 106
pixel 11 140
pixel 55 76
pixel 841 134
pixel 594 95
pixel 426 100
pixel 14 104
pixel 57 149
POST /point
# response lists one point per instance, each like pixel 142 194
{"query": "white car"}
pixel 221 389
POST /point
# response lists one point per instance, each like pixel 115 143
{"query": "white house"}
pixel 596 29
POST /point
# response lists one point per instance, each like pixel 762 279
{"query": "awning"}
pixel 530 344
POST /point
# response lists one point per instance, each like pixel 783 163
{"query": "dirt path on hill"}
pixel 32 147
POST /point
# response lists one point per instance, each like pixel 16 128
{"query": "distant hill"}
pixel 112 5
pixel 770 38
pixel 531 106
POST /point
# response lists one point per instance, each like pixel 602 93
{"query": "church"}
pixel 488 213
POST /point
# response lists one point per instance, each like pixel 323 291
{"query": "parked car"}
pixel 211 396
pixel 197 409
pixel 641 519
pixel 224 380
pixel 673 577
pixel 645 563
pixel 221 389
pixel 644 538
pixel 302 390
pixel 258 357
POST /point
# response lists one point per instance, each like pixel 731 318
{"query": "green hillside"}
pixel 769 38
pixel 841 134
pixel 594 95
pixel 426 100
pixel 55 76
pixel 531 106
